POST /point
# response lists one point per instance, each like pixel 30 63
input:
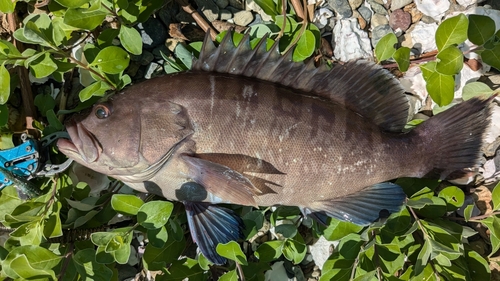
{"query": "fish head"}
pixel 125 134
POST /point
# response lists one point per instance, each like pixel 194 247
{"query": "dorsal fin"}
pixel 361 86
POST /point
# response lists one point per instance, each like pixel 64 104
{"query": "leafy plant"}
pixel 440 74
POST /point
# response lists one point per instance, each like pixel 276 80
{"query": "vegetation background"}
pixel 77 50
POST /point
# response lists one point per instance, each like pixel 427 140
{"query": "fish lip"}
pixel 89 151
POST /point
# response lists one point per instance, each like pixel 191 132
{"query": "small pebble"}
pixel 243 18
pixel 366 13
pixel 222 3
pixel 153 33
pixel 209 9
pixel 377 7
pixel 433 8
pixel 225 14
pixel 378 19
pixel 398 4
pixel 341 7
pixel 238 4
pixel 378 32
pixel 415 14
pixel 151 70
pixel 400 19
pixel 355 3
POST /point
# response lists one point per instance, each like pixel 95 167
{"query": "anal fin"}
pixel 363 207
pixel 210 225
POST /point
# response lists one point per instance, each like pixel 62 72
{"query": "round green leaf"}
pixel 157 237
pixel 385 47
pixel 106 37
pixel 229 276
pixel 452 31
pixel 112 60
pixel 25 270
pixel 338 229
pixel 269 250
pixel 43 66
pixel 478 265
pixel 305 46
pixel 434 209
pixel 475 89
pixel 88 268
pixel 492 57
pixel 481 28
pixel 268 6
pixel 4 85
pixel 154 214
pixel 453 196
pixel 72 3
pixel 450 61
pixel 126 204
pixel 97 89
pixel 232 251
pixel 131 39
pixel 402 58
pixel 84 19
pixel 441 88
pixel 294 251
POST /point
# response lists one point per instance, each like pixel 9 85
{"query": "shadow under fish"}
pixel 251 127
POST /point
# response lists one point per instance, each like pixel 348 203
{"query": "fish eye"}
pixel 102 111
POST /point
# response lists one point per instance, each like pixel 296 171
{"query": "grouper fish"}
pixel 251 127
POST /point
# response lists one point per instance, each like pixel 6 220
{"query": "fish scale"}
pixel 251 127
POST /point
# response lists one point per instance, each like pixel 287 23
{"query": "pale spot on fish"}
pixel 279 150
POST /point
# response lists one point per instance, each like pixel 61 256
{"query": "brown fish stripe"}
pixel 252 127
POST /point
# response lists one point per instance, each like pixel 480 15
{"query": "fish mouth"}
pixel 83 143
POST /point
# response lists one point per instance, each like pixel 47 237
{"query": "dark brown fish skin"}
pixel 315 150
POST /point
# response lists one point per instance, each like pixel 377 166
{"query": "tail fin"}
pixel 454 139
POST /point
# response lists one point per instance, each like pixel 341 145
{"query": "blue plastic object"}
pixel 22 161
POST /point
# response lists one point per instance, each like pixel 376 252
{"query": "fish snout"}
pixel 83 143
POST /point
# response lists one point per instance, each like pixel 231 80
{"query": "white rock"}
pixel 423 36
pixel 489 169
pixel 467 3
pixel 321 17
pixel 350 41
pixel 277 272
pixel 252 6
pixel 494 130
pixel 433 8
pixel 320 251
pixel 466 75
pixel 398 4
pixel 413 82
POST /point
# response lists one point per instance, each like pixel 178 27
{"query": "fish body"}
pixel 251 127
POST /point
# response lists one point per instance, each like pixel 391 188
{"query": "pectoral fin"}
pixel 211 225
pixel 361 208
pixel 221 181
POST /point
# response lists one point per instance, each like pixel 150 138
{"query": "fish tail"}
pixel 453 139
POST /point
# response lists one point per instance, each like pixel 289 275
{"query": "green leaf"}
pixel 8 49
pixel 268 6
pixel 452 31
pixel 481 28
pixel 495 197
pixel 423 257
pixel 72 3
pixel 385 47
pixel 295 249
pixel 441 88
pixel 7 6
pixel 112 60
pixel 232 251
pixel 44 103
pixel 32 32
pixel 53 120
pixel 493 224
pixel 4 119
pixel 450 61
pixel 84 19
pixel 338 229
pixel 270 250
pixel 453 196
pixel 229 276
pixel 183 54
pixel 492 57
pixel 154 214
pixel 53 225
pixel 88 268
pixel 475 89
pixel 43 66
pixel 131 39
pixel 126 204
pixel 287 230
pixel 23 268
pixel 402 58
pixel 98 88
pixel 478 266
pixel 38 257
pixel 158 237
pixel 305 46
pixel 4 84
pixel 184 269
pixel 106 37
